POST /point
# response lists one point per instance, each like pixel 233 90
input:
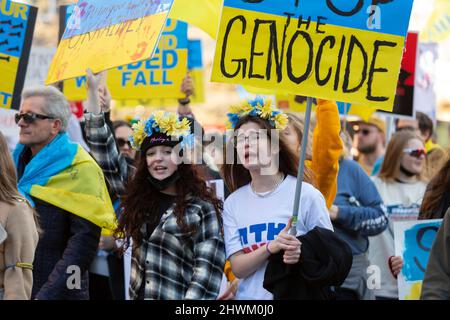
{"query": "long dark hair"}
pixel 235 175
pixel 438 186
pixel 142 202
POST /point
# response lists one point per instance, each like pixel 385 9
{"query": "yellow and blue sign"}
pixel 158 77
pixel 413 242
pixel 104 34
pixel 17 22
pixel 338 50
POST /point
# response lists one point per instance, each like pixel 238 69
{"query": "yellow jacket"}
pixel 326 149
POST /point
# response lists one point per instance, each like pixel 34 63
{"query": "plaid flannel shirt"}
pixel 174 265
pixel 104 150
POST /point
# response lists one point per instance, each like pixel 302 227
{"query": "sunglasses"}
pixel 416 153
pixel 30 117
pixel 364 132
pixel 122 142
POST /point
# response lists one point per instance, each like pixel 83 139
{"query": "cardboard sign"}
pixel 17 22
pixel 413 242
pixel 158 77
pixel 103 34
pixel 346 51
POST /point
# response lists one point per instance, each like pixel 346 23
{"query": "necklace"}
pixel 268 193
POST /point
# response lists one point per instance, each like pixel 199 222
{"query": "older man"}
pixel 68 191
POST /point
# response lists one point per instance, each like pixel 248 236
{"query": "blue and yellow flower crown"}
pixel 164 122
pixel 257 108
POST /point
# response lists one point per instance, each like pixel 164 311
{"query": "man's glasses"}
pixel 364 132
pixel 30 117
pixel 122 142
pixel 416 153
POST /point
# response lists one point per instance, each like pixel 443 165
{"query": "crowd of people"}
pixel 74 206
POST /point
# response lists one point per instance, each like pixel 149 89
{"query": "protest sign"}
pixel 17 22
pixel 425 99
pixel 158 77
pixel 413 242
pixel 104 34
pixel 404 99
pixel 8 127
pixel 320 48
pixel 39 62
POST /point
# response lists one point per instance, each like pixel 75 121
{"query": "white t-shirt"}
pixel 402 202
pixel 250 221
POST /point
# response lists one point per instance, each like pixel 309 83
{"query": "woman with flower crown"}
pixel 172 217
pixel 262 176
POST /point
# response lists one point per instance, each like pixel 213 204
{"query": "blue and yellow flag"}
pixel 204 14
pixel 64 175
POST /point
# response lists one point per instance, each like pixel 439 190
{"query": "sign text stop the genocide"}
pixel 341 50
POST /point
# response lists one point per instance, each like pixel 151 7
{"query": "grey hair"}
pixel 56 104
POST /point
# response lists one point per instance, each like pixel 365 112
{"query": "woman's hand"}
pixel 230 292
pixel 105 98
pixel 288 243
pixel 396 265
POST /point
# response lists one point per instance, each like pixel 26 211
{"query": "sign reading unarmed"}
pixel 343 50
pixel 17 22
pixel 103 34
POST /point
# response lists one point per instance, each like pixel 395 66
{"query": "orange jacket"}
pixel 327 149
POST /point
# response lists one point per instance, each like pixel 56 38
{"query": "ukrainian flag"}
pixel 63 174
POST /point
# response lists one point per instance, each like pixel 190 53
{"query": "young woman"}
pixel 401 188
pixel 262 176
pixel 18 234
pixel 174 220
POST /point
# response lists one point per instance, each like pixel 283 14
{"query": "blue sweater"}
pixel 361 212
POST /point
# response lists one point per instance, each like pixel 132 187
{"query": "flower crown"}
pixel 167 123
pixel 257 108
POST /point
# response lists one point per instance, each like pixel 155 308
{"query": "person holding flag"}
pixel 262 179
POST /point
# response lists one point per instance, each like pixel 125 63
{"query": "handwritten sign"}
pixel 413 241
pixel 346 51
pixel 104 34
pixel 158 77
pixel 17 22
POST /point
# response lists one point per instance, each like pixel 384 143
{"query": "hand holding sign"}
pixel 289 243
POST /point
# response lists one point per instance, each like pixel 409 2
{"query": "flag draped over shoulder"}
pixel 63 174
pixel 204 14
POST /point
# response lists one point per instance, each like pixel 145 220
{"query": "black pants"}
pixel 99 288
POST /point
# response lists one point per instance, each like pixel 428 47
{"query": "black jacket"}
pixel 325 261
pixel 66 241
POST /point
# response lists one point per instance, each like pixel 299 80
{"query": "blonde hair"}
pixel 390 169
pixel 8 179
pixel 298 124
